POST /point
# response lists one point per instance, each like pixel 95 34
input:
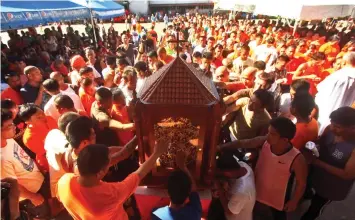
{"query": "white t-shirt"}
pixel 96 73
pixel 55 146
pixel 51 110
pixel 74 77
pixel 52 44
pixel 252 45
pixel 200 49
pixel 240 65
pixel 242 196
pixel 335 91
pixel 262 52
pixel 128 94
pixel 140 83
pixel 68 90
pixel 106 71
pixel 16 163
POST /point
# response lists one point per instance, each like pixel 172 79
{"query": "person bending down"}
pixel 86 196
pixel 184 200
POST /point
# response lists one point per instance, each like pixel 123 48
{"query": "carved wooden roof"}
pixel 178 83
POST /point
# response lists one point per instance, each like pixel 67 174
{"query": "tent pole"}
pixel 295 27
pixel 93 27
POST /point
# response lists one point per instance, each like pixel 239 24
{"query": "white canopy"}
pixel 236 5
pixel 305 9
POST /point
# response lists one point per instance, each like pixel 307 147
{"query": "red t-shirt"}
pixel 63 70
pixel 12 94
pixel 216 63
pixel 294 64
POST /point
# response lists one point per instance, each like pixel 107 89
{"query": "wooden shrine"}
pixel 180 103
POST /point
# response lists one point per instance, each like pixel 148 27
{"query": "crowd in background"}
pixel 68 134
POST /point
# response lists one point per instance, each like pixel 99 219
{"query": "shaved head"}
pixel 221 74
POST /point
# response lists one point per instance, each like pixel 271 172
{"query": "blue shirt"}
pixel 191 211
pixel 29 93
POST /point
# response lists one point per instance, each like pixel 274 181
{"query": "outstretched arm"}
pixel 123 153
pixel 247 143
pixel 160 148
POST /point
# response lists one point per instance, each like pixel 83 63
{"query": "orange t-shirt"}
pixel 167 59
pixel 121 115
pixel 34 138
pixel 305 132
pixel 10 93
pixel 104 201
pixel 235 86
pixel 330 50
pixel 87 101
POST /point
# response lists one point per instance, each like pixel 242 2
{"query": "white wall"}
pixel 139 6
pixel 176 2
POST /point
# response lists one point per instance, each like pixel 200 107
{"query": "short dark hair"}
pixel 28 110
pixel 153 54
pixel 245 47
pixel 300 85
pixel 92 159
pixel 211 38
pixel 63 101
pixel 283 58
pixel 183 56
pixel 260 35
pixel 9 75
pixel 197 54
pixel 265 97
pixel 284 126
pixel 85 70
pixel 270 40
pixel 7 104
pixel 159 64
pixel 5 116
pixel 344 116
pixel 268 77
pixel 226 161
pixel 260 65
pixel 116 93
pixel 318 56
pixel 141 66
pixel 225 53
pixel 179 187
pixel 103 94
pixel 303 103
pixel 122 61
pixel 78 131
pixel 110 60
pixel 207 55
pixel 86 82
pixel 51 85
pixel 65 119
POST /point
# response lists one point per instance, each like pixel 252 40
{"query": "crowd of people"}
pixel 68 141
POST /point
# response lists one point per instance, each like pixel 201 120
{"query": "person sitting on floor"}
pixel 15 163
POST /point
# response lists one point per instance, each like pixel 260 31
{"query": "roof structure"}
pixel 178 83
